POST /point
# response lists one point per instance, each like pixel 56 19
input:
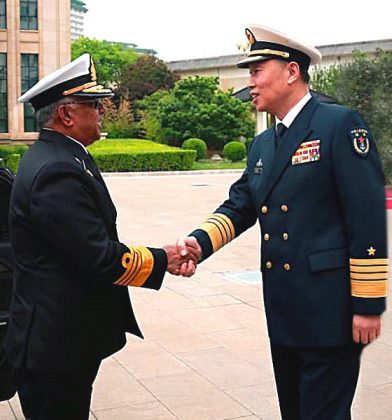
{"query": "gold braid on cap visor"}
pixel 269 52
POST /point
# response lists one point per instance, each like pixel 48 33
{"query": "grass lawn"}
pixel 137 145
pixel 222 164
pixel 128 145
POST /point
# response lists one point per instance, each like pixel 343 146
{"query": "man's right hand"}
pixel 177 264
pixel 189 245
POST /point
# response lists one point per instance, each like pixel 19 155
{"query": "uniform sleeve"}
pixel 229 220
pixel 63 206
pixel 361 186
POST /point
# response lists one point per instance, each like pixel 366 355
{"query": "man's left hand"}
pixel 366 328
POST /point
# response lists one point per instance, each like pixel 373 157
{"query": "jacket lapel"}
pixel 296 134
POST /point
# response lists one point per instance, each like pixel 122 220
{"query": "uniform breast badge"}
pixel 360 139
pixel 307 152
pixel 258 169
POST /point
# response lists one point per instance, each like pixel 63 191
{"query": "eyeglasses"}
pixel 95 103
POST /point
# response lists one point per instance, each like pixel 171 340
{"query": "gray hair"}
pixel 44 116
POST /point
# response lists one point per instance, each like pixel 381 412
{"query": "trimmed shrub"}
pixel 177 160
pixel 196 144
pixel 12 162
pixel 234 151
pixel 8 150
pixel 11 155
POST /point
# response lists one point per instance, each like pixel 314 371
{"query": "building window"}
pixel 28 14
pixel 3 14
pixel 29 79
pixel 3 94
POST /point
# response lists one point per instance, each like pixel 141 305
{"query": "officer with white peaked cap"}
pixel 315 185
pixel 70 306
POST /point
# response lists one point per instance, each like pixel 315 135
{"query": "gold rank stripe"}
pixel 369 289
pixel 220 229
pixel 369 276
pixel 368 261
pixel 138 263
pixel 369 269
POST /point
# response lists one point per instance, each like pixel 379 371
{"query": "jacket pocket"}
pixel 328 260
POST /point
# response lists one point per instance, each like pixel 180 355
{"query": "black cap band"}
pixel 279 51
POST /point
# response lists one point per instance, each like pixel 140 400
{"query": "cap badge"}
pixel 93 72
pixel 250 36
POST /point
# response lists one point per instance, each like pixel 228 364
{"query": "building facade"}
pixel 231 77
pixel 78 9
pixel 34 41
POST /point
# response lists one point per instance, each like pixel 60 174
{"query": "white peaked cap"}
pixel 77 78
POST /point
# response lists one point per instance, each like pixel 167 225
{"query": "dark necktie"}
pixel 280 129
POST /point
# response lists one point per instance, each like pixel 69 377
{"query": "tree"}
pixel 118 120
pixel 110 58
pixel 145 76
pixel 365 84
pixel 196 107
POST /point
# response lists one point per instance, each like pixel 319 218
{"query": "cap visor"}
pixel 245 63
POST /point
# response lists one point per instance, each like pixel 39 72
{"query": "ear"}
pixel 294 72
pixel 64 115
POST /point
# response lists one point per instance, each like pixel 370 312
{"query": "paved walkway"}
pixel 206 353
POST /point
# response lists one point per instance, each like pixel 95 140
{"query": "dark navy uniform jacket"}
pixel 70 306
pixel 320 202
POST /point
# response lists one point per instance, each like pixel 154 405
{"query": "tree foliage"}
pixel 110 58
pixel 365 84
pixel 145 76
pixel 196 107
pixel 118 121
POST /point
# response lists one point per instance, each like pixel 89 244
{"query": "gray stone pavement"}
pixel 206 353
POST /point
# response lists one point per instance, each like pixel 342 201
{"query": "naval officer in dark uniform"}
pixel 70 307
pixel 315 184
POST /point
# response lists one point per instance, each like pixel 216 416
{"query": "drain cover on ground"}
pixel 249 277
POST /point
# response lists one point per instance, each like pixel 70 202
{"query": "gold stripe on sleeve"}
pixel 369 269
pixel 138 264
pixel 220 229
pixel 369 276
pixel 369 289
pixel 368 261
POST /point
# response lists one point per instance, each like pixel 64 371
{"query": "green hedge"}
pixel 11 156
pixel 6 150
pixel 173 160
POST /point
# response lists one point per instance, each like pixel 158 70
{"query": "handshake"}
pixel 182 258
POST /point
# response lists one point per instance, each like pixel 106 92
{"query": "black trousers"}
pixel 57 395
pixel 316 383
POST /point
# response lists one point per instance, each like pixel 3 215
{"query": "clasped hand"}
pixel 182 258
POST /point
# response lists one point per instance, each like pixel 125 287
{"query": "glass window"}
pixel 3 94
pixel 29 74
pixel 3 14
pixel 28 14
